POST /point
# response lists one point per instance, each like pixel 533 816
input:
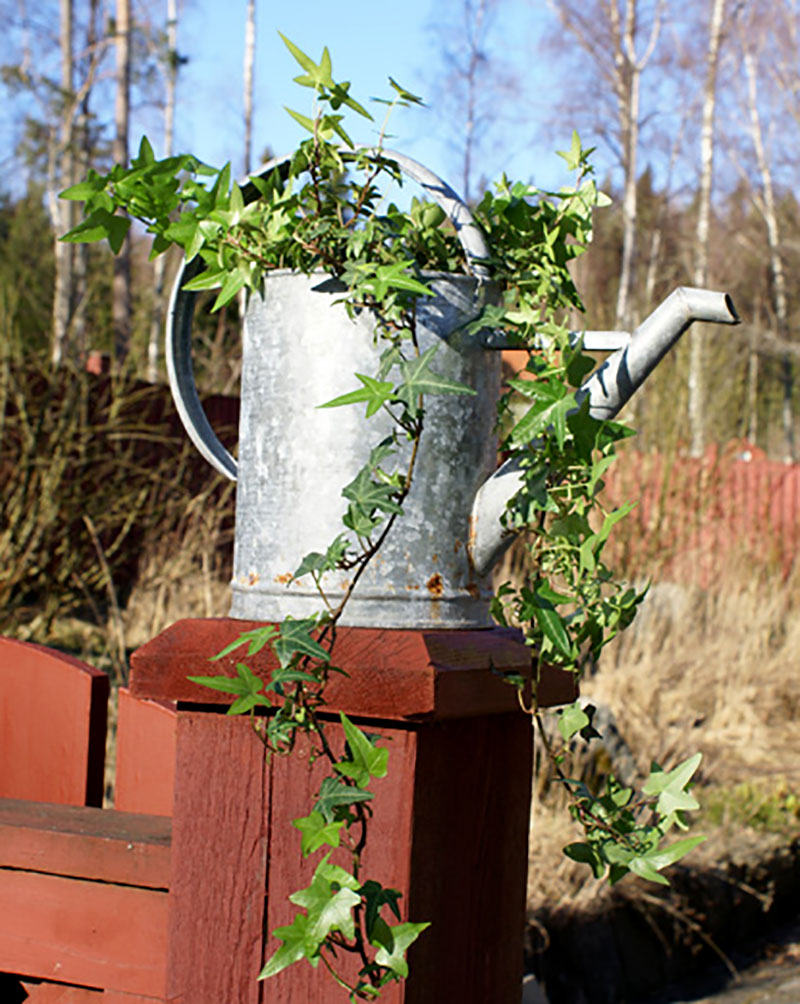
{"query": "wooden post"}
pixel 450 822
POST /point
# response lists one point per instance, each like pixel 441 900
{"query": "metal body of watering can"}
pixel 300 350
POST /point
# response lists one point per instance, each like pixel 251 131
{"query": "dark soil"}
pixel 640 939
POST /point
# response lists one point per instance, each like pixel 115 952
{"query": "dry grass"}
pixel 184 574
pixel 712 670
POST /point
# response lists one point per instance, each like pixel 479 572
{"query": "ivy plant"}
pixel 325 208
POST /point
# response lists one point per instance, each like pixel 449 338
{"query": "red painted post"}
pixel 145 775
pixel 450 821
pixel 52 725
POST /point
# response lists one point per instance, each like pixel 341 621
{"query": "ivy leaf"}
pixel 669 855
pixel 405 94
pixel 208 279
pixel 295 638
pixel 246 685
pixel 419 379
pixel 670 786
pixel 256 639
pixel 369 495
pixel 305 61
pixel 314 561
pixel 375 392
pixel 334 794
pixel 393 942
pixel 329 903
pixel 571 720
pixel 551 409
pixel 541 608
pixel 225 684
pixel 367 759
pixel 386 277
pixel 375 897
pixel 231 284
pixel 297 944
pixel 587 855
pixel 302 120
pixel 99 225
pixel 317 833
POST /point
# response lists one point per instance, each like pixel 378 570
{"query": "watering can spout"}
pixel 608 389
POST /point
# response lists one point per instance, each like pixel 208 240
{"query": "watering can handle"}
pixel 181 306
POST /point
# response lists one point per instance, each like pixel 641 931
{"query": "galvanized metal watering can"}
pixel 300 350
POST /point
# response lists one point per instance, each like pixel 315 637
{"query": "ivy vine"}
pixel 325 209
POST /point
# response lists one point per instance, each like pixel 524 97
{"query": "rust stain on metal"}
pixel 457 545
pixel 284 579
pixel 434 558
pixel 435 585
pixel 253 579
pixel 411 586
pixel 472 589
pixel 471 535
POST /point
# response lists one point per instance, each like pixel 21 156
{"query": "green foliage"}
pixel 86 482
pixel 774 807
pixel 324 210
pixel 26 275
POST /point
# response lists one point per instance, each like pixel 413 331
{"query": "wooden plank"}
pixel 52 725
pixel 58 993
pixel 393 674
pixel 469 859
pixel 100 844
pixel 387 857
pixel 90 933
pixel 145 779
pixel 219 850
pixel 117 997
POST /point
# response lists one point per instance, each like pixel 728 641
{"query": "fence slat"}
pixel 145 779
pixel 52 726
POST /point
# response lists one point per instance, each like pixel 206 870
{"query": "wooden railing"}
pixel 170 896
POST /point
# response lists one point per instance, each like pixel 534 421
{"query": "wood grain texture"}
pixel 387 858
pixel 145 779
pixel 58 993
pixel 90 933
pixel 469 860
pixel 84 842
pixel 394 674
pixel 52 725
pixel 219 850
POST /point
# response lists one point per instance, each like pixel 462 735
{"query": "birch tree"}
pixel 618 39
pixel 249 62
pixel 61 176
pixel 475 85
pixel 696 382
pixel 121 284
pixel 757 46
pixel 170 61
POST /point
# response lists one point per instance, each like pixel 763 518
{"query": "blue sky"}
pixel 369 40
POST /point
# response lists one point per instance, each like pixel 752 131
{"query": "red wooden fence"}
pixel 171 900
pixel 696 516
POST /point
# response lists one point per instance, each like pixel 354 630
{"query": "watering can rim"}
pixel 181 305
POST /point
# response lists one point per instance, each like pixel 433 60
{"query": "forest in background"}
pixel 695 105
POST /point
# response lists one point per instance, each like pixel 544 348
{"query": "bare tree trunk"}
pixel 121 285
pixel 474 25
pixel 62 175
pixel 697 391
pixel 766 205
pixel 249 60
pixel 160 264
pixel 81 251
pixel 620 66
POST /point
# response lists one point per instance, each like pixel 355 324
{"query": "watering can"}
pixel 301 350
